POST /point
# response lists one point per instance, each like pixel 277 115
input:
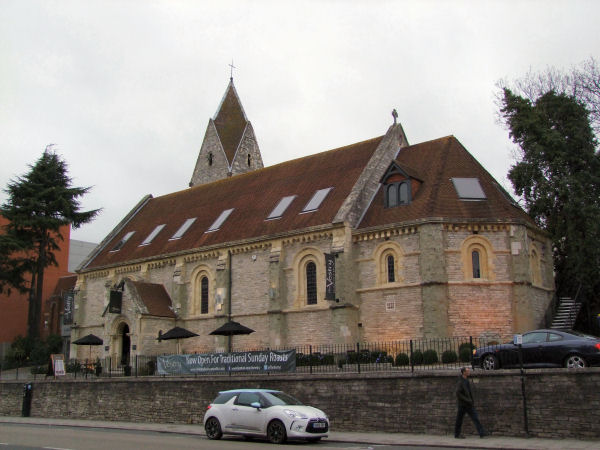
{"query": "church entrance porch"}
pixel 121 345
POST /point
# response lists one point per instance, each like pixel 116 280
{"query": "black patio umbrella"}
pixel 231 328
pixel 176 333
pixel 90 339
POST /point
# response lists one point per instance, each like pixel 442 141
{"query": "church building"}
pixel 374 241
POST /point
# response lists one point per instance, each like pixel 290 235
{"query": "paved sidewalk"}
pixel 492 442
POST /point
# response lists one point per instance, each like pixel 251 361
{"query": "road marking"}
pixel 57 448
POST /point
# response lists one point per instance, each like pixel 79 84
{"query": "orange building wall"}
pixel 14 307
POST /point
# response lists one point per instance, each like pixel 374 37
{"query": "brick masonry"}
pixel 560 403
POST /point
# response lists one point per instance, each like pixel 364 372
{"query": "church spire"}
pixel 229 146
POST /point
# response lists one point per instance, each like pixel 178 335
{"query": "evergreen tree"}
pixel 39 204
pixel 558 178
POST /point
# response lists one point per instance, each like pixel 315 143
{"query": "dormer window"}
pixel 397 194
pixel 398 184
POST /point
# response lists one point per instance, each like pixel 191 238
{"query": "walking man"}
pixel 466 405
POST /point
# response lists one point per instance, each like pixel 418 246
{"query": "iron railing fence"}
pixel 407 355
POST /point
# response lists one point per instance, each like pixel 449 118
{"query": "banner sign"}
pixel 116 299
pixel 69 301
pixel 262 361
pixel 329 276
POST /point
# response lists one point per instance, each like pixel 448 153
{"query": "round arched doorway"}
pixel 123 347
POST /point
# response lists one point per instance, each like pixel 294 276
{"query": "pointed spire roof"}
pixel 230 121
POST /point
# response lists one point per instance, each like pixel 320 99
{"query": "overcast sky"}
pixel 125 89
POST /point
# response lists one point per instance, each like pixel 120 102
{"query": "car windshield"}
pixel 281 398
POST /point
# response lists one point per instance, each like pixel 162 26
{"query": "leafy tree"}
pixel 39 204
pixel 558 178
pixel 581 82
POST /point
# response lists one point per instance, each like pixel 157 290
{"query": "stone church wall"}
pixel 432 295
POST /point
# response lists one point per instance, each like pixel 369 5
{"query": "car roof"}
pixel 248 390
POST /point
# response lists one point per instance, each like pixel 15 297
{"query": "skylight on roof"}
pixel 121 243
pixel 183 228
pixel 152 235
pixel 281 207
pixel 316 200
pixel 468 188
pixel 222 218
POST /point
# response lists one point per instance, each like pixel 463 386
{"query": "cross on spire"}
pixel 232 67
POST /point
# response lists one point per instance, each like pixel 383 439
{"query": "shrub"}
pixel 449 356
pixel 402 359
pixel 465 350
pixel 430 357
pixel 417 357
pixel 465 354
pixel 465 345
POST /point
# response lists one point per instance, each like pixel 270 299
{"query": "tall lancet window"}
pixel 391 269
pixel 204 295
pixel 476 265
pixel 311 283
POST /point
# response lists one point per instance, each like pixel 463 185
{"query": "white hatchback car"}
pixel 264 413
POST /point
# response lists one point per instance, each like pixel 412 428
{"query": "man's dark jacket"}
pixel 464 397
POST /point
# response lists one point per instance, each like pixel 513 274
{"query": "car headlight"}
pixel 295 414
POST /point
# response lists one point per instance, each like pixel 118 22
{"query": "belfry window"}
pixel 249 160
pixel 397 194
pixel 311 283
pixel 210 159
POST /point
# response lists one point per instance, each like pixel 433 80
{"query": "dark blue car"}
pixel 542 348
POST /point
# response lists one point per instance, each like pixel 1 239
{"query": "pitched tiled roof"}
pixel 64 284
pixel 230 122
pixel 155 297
pixel 437 162
pixel 252 195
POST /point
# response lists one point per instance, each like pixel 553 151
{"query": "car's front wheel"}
pixel 213 428
pixel 575 362
pixel 276 432
pixel 489 362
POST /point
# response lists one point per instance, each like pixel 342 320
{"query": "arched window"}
pixel 477 257
pixel 388 258
pixel 404 194
pixel 311 283
pixel 204 295
pixel 202 301
pixel 391 274
pixel 536 267
pixel 475 264
pixel 392 195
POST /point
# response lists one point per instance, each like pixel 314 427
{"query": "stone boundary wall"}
pixel 560 403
